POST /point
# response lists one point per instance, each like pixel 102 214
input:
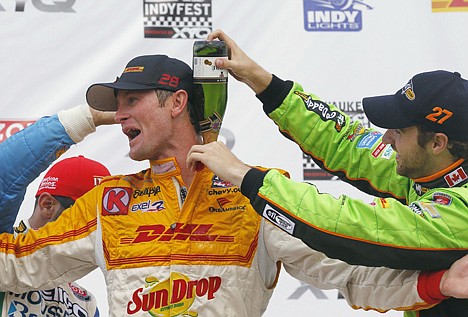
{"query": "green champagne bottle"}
pixel 210 84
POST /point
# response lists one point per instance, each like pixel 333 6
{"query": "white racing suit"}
pixel 168 252
pixel 67 299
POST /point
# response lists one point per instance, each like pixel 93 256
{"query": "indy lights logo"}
pixel 333 15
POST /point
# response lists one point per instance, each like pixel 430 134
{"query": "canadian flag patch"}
pixel 456 177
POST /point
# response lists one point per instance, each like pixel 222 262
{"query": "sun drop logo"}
pixel 172 297
pixel 333 15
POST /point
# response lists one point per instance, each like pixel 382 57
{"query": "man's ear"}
pixel 440 143
pixel 47 205
pixel 179 102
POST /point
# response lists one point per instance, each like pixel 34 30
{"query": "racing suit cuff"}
pixel 252 182
pixel 77 121
pixel 273 96
pixel 429 286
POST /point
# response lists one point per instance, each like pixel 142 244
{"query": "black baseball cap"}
pixel 437 100
pixel 143 73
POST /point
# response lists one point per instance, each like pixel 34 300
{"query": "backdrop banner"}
pixel 53 50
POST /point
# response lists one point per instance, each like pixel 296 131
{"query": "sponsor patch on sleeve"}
pixel 279 220
pixel 323 110
pixel 368 140
pixel 431 209
pixel 420 208
pixel 417 209
pixel 378 150
pixel 442 198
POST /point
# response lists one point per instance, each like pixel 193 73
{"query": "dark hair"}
pixel 194 120
pixel 458 149
pixel 65 202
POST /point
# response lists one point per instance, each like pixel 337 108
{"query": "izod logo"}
pixel 10 127
pixel 173 296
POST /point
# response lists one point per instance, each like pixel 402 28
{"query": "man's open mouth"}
pixel 132 133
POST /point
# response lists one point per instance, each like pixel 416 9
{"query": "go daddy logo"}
pixel 173 296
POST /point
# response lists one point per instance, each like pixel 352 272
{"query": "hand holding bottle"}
pixel 210 87
pixel 241 66
pixel 210 84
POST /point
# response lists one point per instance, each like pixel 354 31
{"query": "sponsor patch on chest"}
pixel 116 200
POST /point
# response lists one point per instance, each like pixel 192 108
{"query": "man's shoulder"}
pixel 454 197
pixel 460 192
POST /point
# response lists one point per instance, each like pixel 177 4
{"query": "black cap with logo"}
pixel 143 73
pixel 437 100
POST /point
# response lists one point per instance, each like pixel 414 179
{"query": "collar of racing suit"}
pixel 453 176
pixel 170 167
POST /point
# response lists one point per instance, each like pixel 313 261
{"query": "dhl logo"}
pixel 177 232
pixel 173 296
pixel 449 5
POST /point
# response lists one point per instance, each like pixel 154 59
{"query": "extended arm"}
pixel 336 143
pixel 399 229
pixel 375 288
pixel 30 151
pixel 345 228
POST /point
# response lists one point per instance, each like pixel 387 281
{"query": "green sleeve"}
pixel 343 148
pixel 384 232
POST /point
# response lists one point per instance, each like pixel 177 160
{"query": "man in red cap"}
pixel 66 181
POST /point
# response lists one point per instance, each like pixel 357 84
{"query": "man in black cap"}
pixel 417 170
pixel 167 250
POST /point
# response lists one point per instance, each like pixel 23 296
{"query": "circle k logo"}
pixel 115 200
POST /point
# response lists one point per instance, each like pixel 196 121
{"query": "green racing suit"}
pixel 411 224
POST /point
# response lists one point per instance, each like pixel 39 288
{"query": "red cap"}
pixel 72 177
